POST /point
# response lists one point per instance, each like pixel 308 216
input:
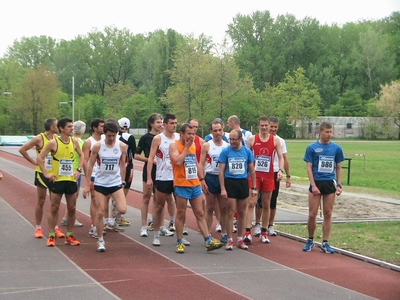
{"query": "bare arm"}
pixel 122 161
pixel 339 178
pixel 175 156
pixel 278 149
pixel 86 155
pixel 153 150
pixel 287 170
pixel 35 142
pixel 221 177
pixel 310 174
pixel 141 157
pixel 252 172
pixel 89 169
pixel 50 147
pixel 201 166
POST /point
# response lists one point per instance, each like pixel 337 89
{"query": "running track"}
pixel 133 269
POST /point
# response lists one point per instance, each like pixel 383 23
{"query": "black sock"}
pixel 325 241
pixel 311 238
pixel 247 229
pixel 263 229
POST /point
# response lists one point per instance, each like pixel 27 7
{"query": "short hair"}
pixel 235 119
pixel 79 127
pixel 48 123
pixel 168 117
pixel 239 132
pixel 184 127
pixel 151 120
pixel 274 119
pixel 217 121
pixel 110 126
pixel 63 122
pixel 325 125
pixel 191 119
pixel 95 123
pixel 263 118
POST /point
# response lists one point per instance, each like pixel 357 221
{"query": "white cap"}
pixel 124 123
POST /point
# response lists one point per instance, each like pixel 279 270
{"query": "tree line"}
pixel 293 69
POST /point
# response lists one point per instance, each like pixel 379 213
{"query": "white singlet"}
pixel 212 157
pixel 108 174
pixel 164 168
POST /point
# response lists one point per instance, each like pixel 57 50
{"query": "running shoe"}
pixel 71 240
pixel 180 248
pixel 171 226
pixel 247 237
pixel 224 239
pixel 213 245
pixel 309 245
pixel 51 241
pixel 38 233
pixel 64 222
pixel 156 241
pixel 185 242
pixel 241 245
pixel 218 228
pixel 91 230
pixel 101 246
pixel 114 227
pixel 229 245
pixel 59 233
pixel 234 229
pixel 165 232
pixel 271 231
pixel 264 237
pixel 143 232
pixel 325 247
pixel 257 230
pixel 185 231
pixel 122 222
pixel 150 226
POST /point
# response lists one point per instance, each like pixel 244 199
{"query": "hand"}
pixel 86 192
pixel 338 191
pixel 149 184
pixel 279 176
pixel 224 194
pixel 254 192
pixel 204 187
pixel 288 182
pixel 51 177
pixel 189 142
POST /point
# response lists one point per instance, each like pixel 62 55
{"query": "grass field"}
pixel 379 174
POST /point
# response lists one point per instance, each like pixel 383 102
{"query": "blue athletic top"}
pixel 324 158
pixel 236 161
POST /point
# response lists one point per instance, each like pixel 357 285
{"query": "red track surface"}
pixel 129 269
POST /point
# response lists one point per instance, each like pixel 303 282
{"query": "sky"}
pixel 68 19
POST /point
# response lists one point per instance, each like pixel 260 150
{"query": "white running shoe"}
pixel 165 232
pixel 218 228
pixel 143 232
pixel 271 231
pixel 185 231
pixel 264 238
pixel 247 238
pixel 156 241
pixel 101 246
pixel 257 230
pixel 185 242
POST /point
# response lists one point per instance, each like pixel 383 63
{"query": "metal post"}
pixel 73 100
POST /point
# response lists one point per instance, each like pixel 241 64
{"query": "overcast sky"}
pixel 68 19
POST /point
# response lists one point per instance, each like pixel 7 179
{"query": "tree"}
pixel 389 102
pixel 350 105
pixel 297 98
pixel 38 99
pixel 33 51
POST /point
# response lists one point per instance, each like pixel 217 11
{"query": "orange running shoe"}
pixel 38 233
pixel 51 241
pixel 59 233
pixel 71 240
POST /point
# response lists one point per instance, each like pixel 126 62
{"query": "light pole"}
pixel 73 99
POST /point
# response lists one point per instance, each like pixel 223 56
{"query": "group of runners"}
pixel 234 176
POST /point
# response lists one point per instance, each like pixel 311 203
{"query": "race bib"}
pixel 214 164
pixel 326 164
pixel 49 162
pixel 263 164
pixel 66 168
pixel 190 167
pixel 109 165
pixel 237 165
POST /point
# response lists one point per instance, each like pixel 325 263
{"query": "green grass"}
pixel 379 240
pixel 381 173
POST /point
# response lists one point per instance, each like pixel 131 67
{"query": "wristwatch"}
pixel 79 170
pixel 339 185
pixel 254 188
